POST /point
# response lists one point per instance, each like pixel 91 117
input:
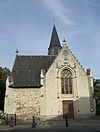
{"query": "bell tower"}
pixel 55 45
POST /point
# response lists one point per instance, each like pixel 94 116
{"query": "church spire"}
pixel 55 46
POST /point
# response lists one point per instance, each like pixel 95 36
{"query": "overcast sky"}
pixel 26 25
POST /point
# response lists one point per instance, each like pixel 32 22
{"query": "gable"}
pixel 69 59
pixel 66 60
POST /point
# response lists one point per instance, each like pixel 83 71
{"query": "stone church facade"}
pixel 50 86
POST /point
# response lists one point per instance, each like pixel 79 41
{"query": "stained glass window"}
pixel 66 82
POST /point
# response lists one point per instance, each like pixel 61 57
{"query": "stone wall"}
pixel 24 102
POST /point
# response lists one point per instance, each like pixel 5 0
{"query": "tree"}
pixel 97 94
pixel 4 72
pixel 96 88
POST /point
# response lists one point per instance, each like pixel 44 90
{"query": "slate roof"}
pixel 26 70
pixel 54 38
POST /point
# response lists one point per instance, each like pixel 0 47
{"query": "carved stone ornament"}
pixel 65 53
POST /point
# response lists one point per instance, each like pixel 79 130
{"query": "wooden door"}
pixel 67 108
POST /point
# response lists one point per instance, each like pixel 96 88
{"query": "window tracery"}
pixel 66 82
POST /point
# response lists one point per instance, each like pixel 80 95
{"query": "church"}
pixel 50 86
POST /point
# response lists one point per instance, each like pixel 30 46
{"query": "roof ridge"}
pixel 36 55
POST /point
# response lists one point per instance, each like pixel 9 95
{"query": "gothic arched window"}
pixel 66 82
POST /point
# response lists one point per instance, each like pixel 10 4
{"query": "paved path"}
pixel 73 124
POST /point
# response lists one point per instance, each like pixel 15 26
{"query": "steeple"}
pixel 55 46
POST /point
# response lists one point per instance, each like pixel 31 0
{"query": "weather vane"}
pixel 17 52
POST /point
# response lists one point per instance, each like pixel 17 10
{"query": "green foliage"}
pixel 98 109
pixel 1 116
pixel 4 72
pixel 97 95
pixel 96 88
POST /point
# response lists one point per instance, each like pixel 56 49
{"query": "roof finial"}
pixel 64 40
pixel 17 52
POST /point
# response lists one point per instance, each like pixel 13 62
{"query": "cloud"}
pixel 58 10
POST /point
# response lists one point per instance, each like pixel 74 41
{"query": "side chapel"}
pixel 50 86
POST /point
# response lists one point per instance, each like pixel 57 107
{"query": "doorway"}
pixel 68 110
